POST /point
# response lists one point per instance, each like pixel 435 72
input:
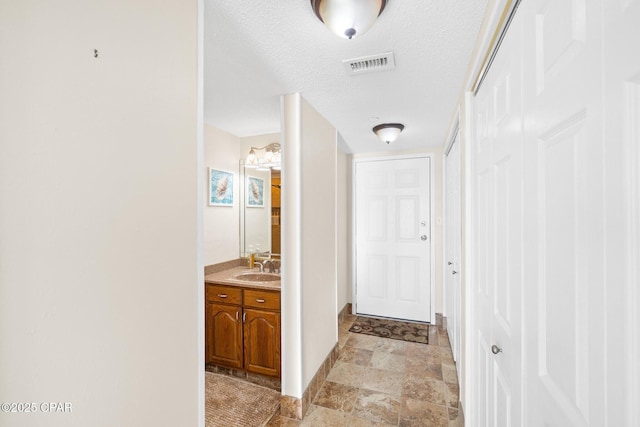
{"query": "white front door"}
pixel 453 248
pixel 393 238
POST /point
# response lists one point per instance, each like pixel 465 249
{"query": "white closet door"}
pixel 497 280
pixel 453 248
pixel 568 258
pixel 563 200
pixel 621 66
pixel 582 214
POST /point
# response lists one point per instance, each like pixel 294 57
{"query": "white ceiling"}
pixel 256 51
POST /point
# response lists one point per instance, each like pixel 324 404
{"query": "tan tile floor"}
pixel 385 382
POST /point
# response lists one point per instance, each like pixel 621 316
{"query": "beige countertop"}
pixel 228 277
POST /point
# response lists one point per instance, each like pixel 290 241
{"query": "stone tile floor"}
pixel 385 382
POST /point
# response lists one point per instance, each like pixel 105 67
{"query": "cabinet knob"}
pixel 244 317
pixel 222 295
pixel 495 349
pixel 237 316
pixel 260 300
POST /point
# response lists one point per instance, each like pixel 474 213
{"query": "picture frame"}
pixel 255 192
pixel 220 188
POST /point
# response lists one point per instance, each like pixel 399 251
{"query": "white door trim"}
pixel 432 259
pixel 468 261
pixel 633 195
pixel 453 132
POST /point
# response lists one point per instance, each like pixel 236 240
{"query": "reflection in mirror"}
pixel 275 213
pixel 260 212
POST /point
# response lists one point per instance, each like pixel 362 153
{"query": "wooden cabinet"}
pixel 224 335
pixel 242 329
pixel 262 342
pixel 262 331
pixel 265 300
pixel 224 294
pixel 223 326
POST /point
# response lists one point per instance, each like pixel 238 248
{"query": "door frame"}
pixel 467 168
pixel 432 260
pixel 634 254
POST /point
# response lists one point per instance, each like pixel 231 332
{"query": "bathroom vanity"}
pixel 242 320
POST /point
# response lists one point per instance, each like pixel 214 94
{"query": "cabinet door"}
pixel 262 342
pixel 224 335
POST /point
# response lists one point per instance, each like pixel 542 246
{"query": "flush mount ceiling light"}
pixel 388 132
pixel 348 18
pixel 269 160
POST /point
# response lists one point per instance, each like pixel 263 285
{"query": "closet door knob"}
pixel 495 349
pixel 423 237
pixel 454 272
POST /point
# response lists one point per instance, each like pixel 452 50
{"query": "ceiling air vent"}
pixel 369 64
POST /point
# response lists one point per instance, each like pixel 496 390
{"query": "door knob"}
pixel 495 349
pixel 423 237
pixel 449 263
pixel 454 272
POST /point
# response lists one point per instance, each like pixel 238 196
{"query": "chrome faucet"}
pixel 263 266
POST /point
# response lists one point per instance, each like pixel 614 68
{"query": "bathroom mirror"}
pixel 259 212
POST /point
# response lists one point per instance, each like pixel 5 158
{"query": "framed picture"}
pixel 220 188
pixel 255 192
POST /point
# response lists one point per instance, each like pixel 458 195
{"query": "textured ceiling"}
pixel 256 51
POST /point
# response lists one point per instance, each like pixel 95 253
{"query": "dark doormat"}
pixel 390 328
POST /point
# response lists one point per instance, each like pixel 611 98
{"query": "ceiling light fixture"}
pixel 388 132
pixel 348 18
pixel 270 160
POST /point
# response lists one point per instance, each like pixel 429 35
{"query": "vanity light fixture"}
pixel 388 132
pixel 348 18
pixel 269 160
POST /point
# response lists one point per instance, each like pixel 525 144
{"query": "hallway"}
pixel 386 382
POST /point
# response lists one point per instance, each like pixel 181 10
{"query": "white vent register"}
pixel 369 64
